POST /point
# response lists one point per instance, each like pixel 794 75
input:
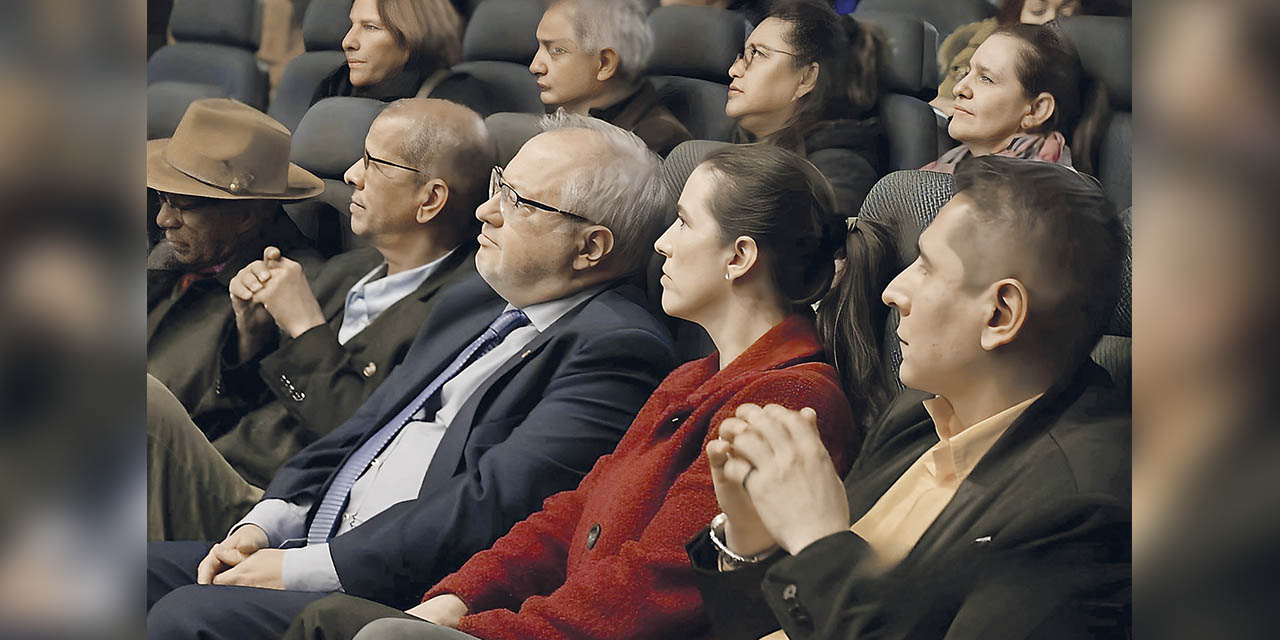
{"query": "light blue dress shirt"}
pixel 377 291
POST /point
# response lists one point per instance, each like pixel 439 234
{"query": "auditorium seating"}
pixel 328 140
pixel 1105 45
pixel 323 27
pixel 510 131
pixel 497 47
pixel 944 15
pixel 693 49
pixel 216 41
pixel 915 136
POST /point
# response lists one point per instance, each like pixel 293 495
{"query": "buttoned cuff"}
pixel 310 569
pixel 279 519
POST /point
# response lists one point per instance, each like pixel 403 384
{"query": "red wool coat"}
pixel 607 560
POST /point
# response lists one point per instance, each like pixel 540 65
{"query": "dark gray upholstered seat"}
pixel 510 131
pixel 914 133
pixel 327 142
pixel 944 15
pixel 167 102
pixel 693 48
pixel 216 45
pixel 907 201
pixel 1106 52
pixel 323 28
pixel 497 47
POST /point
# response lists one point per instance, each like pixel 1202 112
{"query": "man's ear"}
pixel 594 244
pixel 808 81
pixel 432 197
pixel 1039 111
pixel 1010 303
pixel 609 63
pixel 745 255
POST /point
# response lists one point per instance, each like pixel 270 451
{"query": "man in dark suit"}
pixel 991 504
pixel 425 168
pixel 517 383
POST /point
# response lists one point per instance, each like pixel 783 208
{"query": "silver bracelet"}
pixel 717 531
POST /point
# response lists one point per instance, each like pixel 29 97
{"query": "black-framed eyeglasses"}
pixel 368 158
pixel 510 199
pixel 749 54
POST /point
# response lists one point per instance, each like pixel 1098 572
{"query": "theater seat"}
pixel 327 142
pixel 693 48
pixel 944 15
pixel 907 201
pixel 168 101
pixel 216 45
pixel 323 28
pixel 1106 52
pixel 912 128
pixel 510 131
pixel 497 47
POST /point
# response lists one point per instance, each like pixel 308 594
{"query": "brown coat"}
pixel 643 114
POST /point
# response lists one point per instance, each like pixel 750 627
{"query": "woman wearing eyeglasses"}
pixel 808 81
pixel 751 248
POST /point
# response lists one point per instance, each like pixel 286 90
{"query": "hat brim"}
pixel 162 177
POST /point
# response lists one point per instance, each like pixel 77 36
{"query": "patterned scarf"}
pixel 1047 147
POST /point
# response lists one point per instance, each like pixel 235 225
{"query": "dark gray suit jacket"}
pixel 533 428
pixel 1035 544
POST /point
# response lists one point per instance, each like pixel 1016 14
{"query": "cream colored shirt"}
pixel 900 517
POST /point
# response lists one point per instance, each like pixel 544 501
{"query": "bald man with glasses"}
pixel 307 348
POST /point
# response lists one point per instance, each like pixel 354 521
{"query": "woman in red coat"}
pixel 752 248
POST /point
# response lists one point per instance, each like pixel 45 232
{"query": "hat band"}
pixel 238 186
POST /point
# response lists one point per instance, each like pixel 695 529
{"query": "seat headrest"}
pixel 237 23
pixel 1105 45
pixel 682 160
pixel 944 15
pixel 503 30
pixel 695 42
pixel 911 62
pixel 325 24
pixel 331 135
pixel 511 131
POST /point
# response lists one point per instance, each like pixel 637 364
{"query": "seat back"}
pixel 944 16
pixel 1105 45
pixel 497 47
pixel 693 48
pixel 216 45
pixel 328 140
pixel 911 127
pixel 510 131
pixel 167 102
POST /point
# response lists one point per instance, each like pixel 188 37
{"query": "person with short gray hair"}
pixel 591 60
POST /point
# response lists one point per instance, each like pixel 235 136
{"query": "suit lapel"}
pixel 449 452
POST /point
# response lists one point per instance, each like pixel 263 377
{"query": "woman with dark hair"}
pixel 751 249
pixel 396 49
pixel 808 81
pixel 1021 92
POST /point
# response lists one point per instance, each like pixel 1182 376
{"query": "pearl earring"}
pixel 726 275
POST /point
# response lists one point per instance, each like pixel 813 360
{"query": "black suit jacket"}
pixel 1035 544
pixel 308 386
pixel 533 428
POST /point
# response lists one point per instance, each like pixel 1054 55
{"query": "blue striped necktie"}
pixel 335 499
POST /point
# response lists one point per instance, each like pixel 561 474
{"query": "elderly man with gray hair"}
pixel 519 380
pixel 591 60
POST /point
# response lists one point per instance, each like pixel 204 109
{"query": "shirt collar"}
pixel 405 281
pixel 959 449
pixel 545 314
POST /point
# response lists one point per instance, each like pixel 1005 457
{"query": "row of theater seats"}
pixel 693 48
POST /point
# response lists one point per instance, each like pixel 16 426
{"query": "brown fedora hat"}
pixel 228 150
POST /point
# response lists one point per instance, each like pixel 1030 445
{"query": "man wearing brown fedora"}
pixel 220 180
pixel 305 353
